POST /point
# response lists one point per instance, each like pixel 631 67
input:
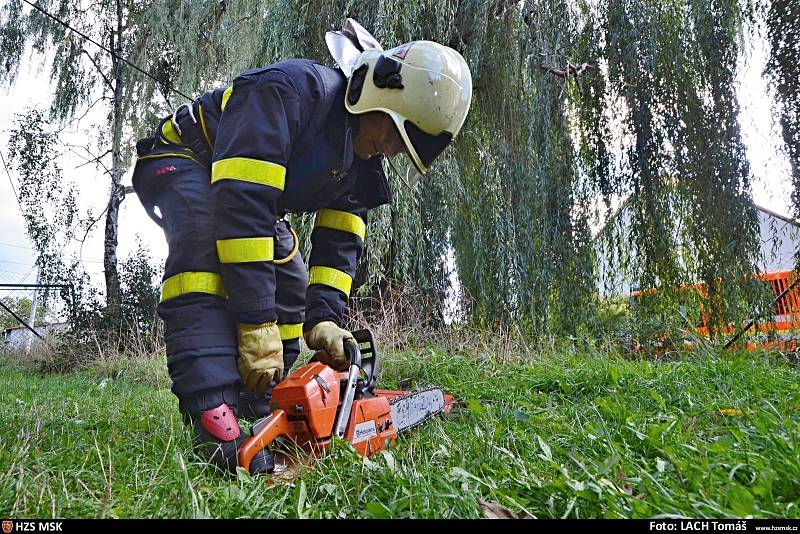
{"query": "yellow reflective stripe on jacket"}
pixel 245 249
pixel 341 220
pixel 168 131
pixel 225 96
pixel 290 331
pixel 249 170
pixel 191 282
pixel 330 277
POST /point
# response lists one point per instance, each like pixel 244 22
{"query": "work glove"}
pixel 260 355
pixel 330 339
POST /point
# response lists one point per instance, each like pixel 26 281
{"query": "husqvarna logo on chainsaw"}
pixel 364 431
pixel 8 526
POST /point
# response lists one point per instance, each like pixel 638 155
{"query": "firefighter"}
pixel 221 174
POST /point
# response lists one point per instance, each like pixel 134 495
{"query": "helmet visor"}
pixel 427 146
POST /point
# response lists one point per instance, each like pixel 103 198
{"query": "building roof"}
pixel 45 325
pixel 759 207
pixel 779 216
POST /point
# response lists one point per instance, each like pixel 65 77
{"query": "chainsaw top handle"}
pixel 353 352
pixel 356 387
pixel 368 359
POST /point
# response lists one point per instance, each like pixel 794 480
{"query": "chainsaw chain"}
pixel 430 416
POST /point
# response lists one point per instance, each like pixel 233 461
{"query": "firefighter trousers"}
pixel 173 186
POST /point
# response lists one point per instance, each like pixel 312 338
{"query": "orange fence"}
pixel 784 323
pixel 787 309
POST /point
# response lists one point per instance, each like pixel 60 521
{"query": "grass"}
pixel 567 434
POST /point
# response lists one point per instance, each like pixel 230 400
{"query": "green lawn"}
pixel 565 435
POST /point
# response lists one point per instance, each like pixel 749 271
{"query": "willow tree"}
pixel 136 62
pixel 504 197
pixel 783 72
pixel 82 74
pixel 674 65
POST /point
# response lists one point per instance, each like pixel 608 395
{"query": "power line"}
pixel 90 260
pixel 11 272
pixel 16 246
pixel 168 86
pixel 16 263
pixel 28 273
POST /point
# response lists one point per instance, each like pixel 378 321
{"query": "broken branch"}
pixel 571 70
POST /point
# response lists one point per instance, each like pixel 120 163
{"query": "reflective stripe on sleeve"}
pixel 341 220
pixel 330 277
pixel 249 170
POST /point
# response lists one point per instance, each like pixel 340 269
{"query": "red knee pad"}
pixel 221 423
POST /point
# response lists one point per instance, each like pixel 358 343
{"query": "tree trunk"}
pixel 113 295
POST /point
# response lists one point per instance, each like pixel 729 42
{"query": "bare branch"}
pixel 79 119
pixel 94 220
pixel 95 159
pixel 84 158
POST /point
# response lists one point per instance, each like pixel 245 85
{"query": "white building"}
pixel 17 337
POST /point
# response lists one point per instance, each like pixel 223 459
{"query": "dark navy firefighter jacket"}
pixel 280 140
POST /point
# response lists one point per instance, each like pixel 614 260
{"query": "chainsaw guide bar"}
pixel 414 409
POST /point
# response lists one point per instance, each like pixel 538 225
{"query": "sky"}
pixel 768 166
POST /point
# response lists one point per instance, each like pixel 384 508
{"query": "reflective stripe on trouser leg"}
pixel 191 282
pixel 199 336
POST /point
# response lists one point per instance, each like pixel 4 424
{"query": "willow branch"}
pixel 99 70
pixel 571 69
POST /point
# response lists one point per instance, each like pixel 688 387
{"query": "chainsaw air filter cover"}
pixel 310 394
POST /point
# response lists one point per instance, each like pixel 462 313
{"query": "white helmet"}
pixel 425 87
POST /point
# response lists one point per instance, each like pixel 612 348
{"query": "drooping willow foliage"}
pixel 783 71
pixel 577 104
pixel 674 66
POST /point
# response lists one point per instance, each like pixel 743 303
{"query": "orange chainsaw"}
pixel 316 402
